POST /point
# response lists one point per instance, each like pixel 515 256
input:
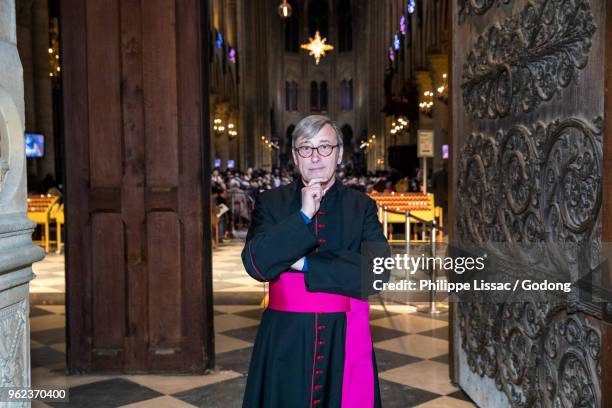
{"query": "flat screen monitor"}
pixel 34 145
pixel 230 164
pixel 445 152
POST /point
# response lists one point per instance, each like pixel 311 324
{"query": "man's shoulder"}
pixel 277 194
pixel 356 197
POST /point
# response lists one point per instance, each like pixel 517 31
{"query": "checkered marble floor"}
pixel 49 275
pixel 411 350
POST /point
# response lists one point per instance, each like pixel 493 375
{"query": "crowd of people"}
pixel 254 181
pixel 234 191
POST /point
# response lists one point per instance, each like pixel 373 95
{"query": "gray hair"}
pixel 311 125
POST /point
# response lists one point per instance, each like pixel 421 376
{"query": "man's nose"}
pixel 315 156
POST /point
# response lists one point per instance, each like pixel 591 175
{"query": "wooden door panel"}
pixel 528 107
pixel 164 259
pixel 108 270
pixel 132 191
pixel 103 90
pixel 160 96
pixel 138 266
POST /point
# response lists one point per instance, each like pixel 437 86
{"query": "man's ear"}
pixel 340 154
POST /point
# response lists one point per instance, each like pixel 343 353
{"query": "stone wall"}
pixel 16 249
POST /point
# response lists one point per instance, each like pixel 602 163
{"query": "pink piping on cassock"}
pixel 253 262
pixel 317 229
pixel 314 358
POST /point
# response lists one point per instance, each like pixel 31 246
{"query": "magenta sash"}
pixel 288 293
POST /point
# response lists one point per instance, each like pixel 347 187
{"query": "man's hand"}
pixel 298 265
pixel 311 197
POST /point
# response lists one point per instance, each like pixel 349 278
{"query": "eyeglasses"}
pixel 323 150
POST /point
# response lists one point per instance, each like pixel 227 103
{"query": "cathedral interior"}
pixel 151 128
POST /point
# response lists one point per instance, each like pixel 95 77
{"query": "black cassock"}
pixel 339 245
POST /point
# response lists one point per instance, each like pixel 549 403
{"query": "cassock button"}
pixel 321 342
pixel 322 241
pixel 321 225
pixel 317 372
pixel 316 402
pixel 317 387
pixel 319 357
pixel 320 327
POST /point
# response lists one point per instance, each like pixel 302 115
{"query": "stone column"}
pixel 439 68
pixel 16 249
pixel 254 100
pixel 221 138
pixel 24 33
pixel 424 84
pixel 232 141
pixel 43 101
pixel 374 96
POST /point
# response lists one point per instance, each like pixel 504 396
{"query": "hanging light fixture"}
pixel 284 9
pixel 400 125
pixel 316 47
pixel 425 106
pixel 443 89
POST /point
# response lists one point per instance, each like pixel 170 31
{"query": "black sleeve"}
pixel 272 247
pixel 347 272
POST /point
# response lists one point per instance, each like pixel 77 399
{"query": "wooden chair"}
pixel 393 208
pixel 57 213
pixel 439 217
pixel 39 211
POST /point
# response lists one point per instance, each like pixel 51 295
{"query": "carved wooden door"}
pixel 528 116
pixel 137 181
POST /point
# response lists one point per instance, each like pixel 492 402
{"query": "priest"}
pixel 314 241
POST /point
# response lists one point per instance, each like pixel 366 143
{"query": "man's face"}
pixel 318 166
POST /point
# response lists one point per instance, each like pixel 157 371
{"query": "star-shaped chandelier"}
pixel 316 47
